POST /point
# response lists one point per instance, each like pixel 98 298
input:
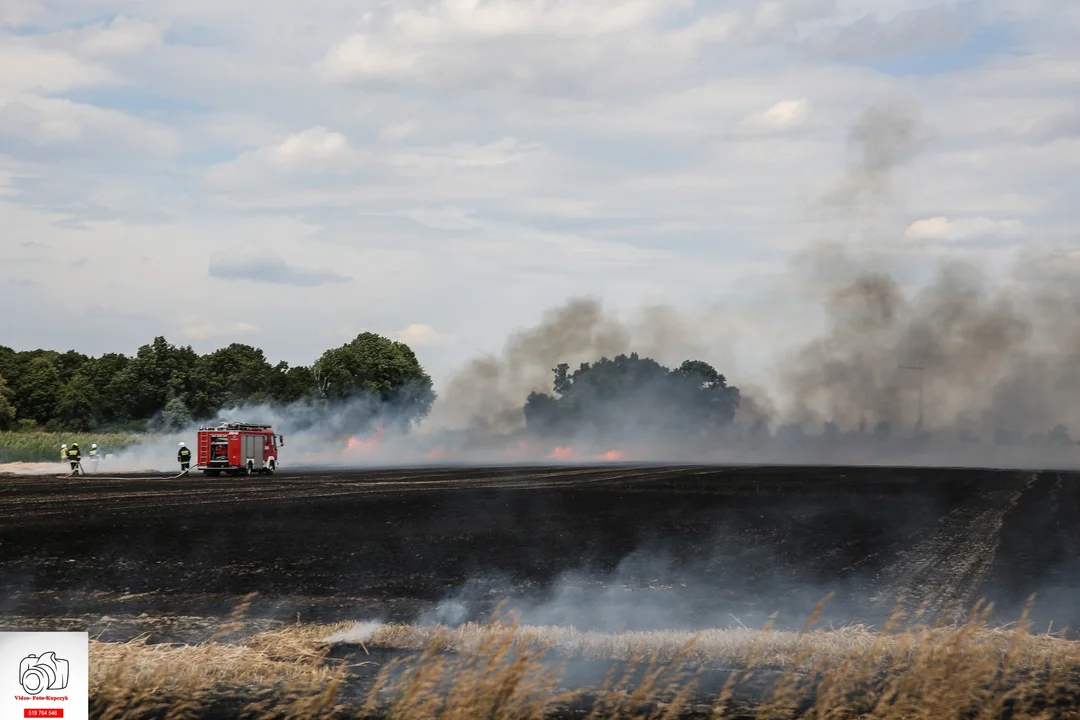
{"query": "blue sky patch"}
pixel 983 45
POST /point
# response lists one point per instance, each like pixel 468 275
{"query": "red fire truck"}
pixel 238 449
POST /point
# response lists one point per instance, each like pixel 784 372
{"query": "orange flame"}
pixel 612 455
pixel 437 453
pixel 562 453
pixel 365 446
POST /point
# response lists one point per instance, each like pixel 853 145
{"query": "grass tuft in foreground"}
pixel 503 670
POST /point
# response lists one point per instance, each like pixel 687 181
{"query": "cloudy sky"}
pixel 289 174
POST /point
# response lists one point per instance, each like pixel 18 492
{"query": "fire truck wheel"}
pixel 250 467
pixel 271 466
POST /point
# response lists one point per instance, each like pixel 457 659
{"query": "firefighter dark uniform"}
pixel 184 458
pixel 74 456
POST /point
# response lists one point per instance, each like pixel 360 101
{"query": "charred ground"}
pixel 606 547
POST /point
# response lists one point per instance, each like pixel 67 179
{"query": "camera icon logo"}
pixel 39 673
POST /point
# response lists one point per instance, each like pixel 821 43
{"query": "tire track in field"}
pixel 943 574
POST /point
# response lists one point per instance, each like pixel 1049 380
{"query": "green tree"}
pixel 171 384
pixel 38 389
pixel 542 413
pixel 175 415
pixel 704 394
pixel 158 372
pixel 7 409
pixel 77 404
pixel 292 384
pixel 69 363
pixel 629 393
pixel 9 361
pixel 106 376
pixel 234 375
pixel 381 371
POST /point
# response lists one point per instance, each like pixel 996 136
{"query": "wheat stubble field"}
pixel 558 591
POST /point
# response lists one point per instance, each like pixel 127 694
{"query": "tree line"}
pixel 165 386
pixel 629 395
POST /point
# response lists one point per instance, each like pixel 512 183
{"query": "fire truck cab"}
pixel 238 449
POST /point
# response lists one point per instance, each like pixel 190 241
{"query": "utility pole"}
pixel 920 368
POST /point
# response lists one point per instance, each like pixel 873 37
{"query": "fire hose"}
pixel 79 472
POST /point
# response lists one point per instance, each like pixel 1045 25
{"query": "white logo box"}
pixel 45 675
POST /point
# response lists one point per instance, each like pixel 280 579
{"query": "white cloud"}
pixel 315 151
pixel 7 184
pixel 121 36
pixel 27 68
pixel 55 121
pixel 398 130
pixel 549 46
pixel 209 330
pixel 16 12
pixel 784 115
pixel 710 29
pixel 1055 125
pixel 421 335
pixel 942 228
pixel 504 151
pixel 363 57
pixel 574 18
pixel 311 150
pixel 39 121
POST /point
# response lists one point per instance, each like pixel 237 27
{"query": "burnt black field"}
pixel 600 547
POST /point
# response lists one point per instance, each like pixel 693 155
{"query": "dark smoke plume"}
pixel 1000 363
pixel 995 360
pixel 490 391
pixel 884 137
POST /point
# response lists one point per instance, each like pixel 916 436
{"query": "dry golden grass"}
pixel 287 678
pixel 729 647
pixel 503 670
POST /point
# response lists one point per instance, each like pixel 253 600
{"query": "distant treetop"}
pixel 628 395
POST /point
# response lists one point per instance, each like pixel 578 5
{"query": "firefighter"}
pixel 184 458
pixel 63 453
pixel 93 457
pixel 75 458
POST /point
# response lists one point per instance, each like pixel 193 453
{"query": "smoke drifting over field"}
pixel 1000 364
pixel 489 392
pixel 651 589
pixel 998 361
